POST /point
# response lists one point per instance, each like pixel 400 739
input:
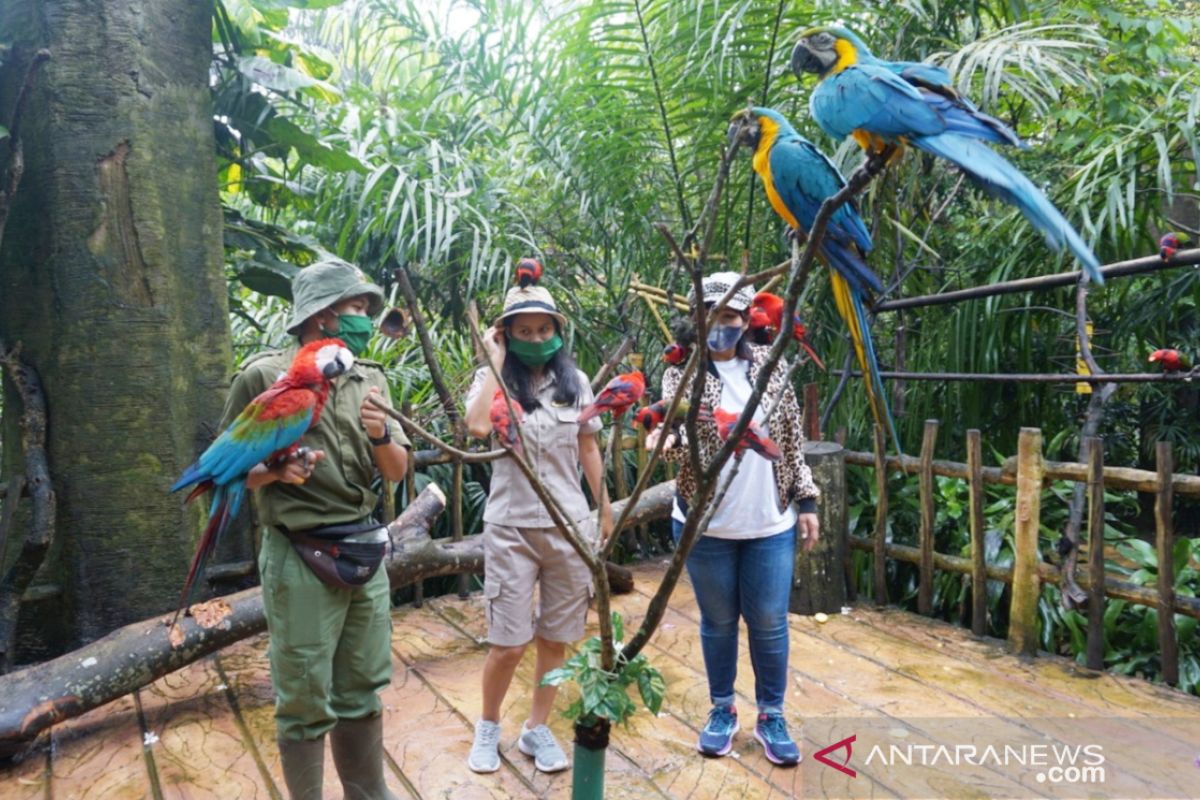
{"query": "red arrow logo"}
pixel 845 744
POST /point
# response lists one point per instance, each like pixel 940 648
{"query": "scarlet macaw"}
pixel 880 102
pixel 617 396
pixel 797 178
pixel 505 424
pixel 268 429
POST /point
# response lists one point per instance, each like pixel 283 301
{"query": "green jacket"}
pixel 340 487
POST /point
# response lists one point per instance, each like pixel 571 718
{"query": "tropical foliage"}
pixel 452 137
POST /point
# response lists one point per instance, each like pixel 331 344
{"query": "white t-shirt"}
pixel 749 510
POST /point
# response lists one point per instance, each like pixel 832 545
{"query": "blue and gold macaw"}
pixel 902 102
pixel 798 178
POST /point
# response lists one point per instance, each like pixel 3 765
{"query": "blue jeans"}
pixel 750 578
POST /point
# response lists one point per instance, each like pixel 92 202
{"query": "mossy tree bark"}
pixel 111 278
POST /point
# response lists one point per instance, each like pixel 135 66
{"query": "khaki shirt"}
pixel 552 450
pixel 340 487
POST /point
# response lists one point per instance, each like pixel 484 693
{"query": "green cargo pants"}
pixel 330 649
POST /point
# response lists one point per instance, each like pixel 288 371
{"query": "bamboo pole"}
pixel 1022 623
pixel 1165 541
pixel 928 514
pixel 881 516
pixel 1118 269
pixel 1096 599
pixel 979 604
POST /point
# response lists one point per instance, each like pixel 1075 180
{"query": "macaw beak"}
pixel 338 365
pixel 743 130
pixel 805 59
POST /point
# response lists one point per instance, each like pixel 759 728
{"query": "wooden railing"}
pixel 1030 472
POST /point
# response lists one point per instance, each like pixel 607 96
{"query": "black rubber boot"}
pixel 303 767
pixel 358 755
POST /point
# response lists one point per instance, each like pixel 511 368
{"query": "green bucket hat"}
pixel 328 282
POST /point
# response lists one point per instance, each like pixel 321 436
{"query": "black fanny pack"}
pixel 339 563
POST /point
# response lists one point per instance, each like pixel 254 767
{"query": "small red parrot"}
pixel 1171 360
pixel 753 439
pixel 504 423
pixel 651 416
pixel 268 429
pixel 617 396
pixel 675 354
pixel 529 271
pixel 1168 245
pixel 766 320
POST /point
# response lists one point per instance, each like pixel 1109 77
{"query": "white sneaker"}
pixel 542 746
pixel 485 752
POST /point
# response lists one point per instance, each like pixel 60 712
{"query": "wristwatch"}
pixel 385 439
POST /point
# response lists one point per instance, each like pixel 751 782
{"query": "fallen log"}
pixel 37 697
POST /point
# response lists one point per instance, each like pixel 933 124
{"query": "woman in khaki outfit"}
pixel 522 546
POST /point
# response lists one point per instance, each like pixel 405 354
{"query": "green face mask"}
pixel 355 330
pixel 534 354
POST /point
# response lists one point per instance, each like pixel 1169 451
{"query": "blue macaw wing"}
pixel 250 439
pixel 874 99
pixel 804 177
pixel 921 74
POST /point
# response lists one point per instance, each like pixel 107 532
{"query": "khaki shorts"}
pixel 517 558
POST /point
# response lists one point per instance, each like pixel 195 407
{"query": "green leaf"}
pixel 618 627
pixel 653 688
pixel 557 677
pixel 3 132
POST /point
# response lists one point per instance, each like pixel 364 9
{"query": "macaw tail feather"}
pixel 192 474
pixel 850 306
pixel 812 354
pixel 846 260
pixel 225 503
pixel 1000 178
pixel 592 410
pixel 201 488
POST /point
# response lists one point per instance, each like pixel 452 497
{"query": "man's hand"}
pixel 374 420
pixel 297 467
pixel 808 528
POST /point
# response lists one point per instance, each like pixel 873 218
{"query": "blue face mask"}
pixel 723 337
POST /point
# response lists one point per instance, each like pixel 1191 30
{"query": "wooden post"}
pixel 979 602
pixel 1026 587
pixel 881 515
pixel 812 413
pixel 819 582
pixel 925 587
pixel 1165 527
pixel 1096 599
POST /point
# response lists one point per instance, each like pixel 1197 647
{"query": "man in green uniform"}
pixel 330 647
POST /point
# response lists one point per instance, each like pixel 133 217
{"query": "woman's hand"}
pixel 495 347
pixel 606 524
pixel 808 528
pixel 653 436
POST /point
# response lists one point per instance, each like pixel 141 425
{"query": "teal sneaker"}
pixel 717 737
pixel 772 733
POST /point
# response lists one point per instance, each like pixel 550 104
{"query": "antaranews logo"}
pixel 1057 764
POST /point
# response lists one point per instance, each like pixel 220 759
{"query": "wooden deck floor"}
pixel 899 683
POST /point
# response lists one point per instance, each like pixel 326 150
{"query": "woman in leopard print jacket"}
pixel 741 567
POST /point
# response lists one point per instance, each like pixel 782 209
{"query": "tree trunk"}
pixel 111 279
pixel 37 697
pixel 819 583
